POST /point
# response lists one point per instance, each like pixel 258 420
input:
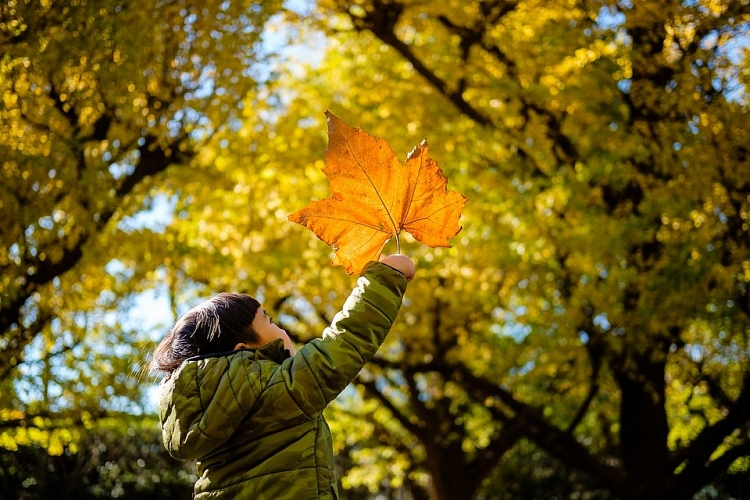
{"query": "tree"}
pixel 593 311
pixel 98 100
pixel 621 249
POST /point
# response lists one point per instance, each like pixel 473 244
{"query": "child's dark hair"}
pixel 214 326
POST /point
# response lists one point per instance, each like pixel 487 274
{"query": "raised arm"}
pixel 322 368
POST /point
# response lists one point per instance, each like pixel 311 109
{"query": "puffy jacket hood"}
pixel 205 400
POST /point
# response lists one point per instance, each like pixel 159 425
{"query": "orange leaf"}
pixel 375 197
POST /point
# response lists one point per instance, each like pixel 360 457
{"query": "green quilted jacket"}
pixel 253 419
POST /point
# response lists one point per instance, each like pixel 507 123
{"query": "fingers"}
pixel 401 263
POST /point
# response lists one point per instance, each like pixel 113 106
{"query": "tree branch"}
pixel 153 160
pixel 381 21
pixel 547 436
pixel 691 479
pixel 372 390
pixel 699 452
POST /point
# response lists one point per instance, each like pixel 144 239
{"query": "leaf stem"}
pixel 398 244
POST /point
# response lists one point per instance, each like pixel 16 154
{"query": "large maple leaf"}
pixel 374 197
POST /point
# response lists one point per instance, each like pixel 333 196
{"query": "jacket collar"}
pixel 274 350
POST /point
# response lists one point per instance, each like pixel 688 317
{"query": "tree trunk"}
pixel 643 432
pixel 450 478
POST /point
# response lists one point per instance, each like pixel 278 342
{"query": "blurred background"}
pixel 585 337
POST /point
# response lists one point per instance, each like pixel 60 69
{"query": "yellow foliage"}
pixel 608 218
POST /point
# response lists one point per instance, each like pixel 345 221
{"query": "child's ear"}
pixel 242 345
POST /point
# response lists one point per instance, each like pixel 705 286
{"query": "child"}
pixel 249 408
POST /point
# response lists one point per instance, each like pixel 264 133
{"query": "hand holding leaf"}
pixel 375 197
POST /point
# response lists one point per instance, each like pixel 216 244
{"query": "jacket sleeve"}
pixel 322 368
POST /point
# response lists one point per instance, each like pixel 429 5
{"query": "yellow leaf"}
pixel 375 197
